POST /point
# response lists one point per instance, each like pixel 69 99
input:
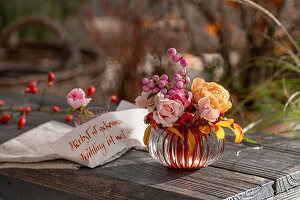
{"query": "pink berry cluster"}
pixel 161 84
pixel 176 58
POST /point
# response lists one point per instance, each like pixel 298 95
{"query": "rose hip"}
pixel 21 122
pixel 55 109
pixel 50 76
pixel 91 90
pixel 69 118
pixel 5 118
pixel 114 98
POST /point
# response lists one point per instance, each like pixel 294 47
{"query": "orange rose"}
pixel 216 93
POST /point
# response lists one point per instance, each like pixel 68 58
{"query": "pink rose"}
pixel 206 111
pixel 184 96
pixel 167 111
pixel 143 101
pixel 76 98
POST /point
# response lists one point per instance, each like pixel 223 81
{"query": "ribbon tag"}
pixel 99 140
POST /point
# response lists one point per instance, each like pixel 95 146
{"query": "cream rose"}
pixel 143 101
pixel 167 111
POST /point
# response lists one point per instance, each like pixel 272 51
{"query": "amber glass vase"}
pixel 173 151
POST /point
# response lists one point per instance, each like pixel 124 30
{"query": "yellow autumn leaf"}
pixel 230 120
pixel 204 129
pixel 224 123
pixel 220 133
pixel 191 140
pixel 147 134
pixel 174 130
pixel 238 133
pixel 213 126
pixel 154 126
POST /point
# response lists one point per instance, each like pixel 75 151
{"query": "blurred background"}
pixel 114 44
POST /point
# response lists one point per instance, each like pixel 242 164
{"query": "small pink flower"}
pixel 184 96
pixel 143 101
pixel 206 111
pixel 167 111
pixel 76 98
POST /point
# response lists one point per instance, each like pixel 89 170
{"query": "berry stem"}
pixel 33 110
pixel 185 78
pixel 16 98
pixel 108 104
pixel 43 97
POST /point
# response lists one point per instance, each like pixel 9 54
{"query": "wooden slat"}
pixel 281 166
pixel 206 183
pixel 292 194
pixel 13 188
pixel 86 184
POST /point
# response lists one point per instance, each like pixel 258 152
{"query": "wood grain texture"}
pixel 89 185
pixel 292 194
pixel 206 183
pixel 137 176
pixel 12 188
pixel 281 166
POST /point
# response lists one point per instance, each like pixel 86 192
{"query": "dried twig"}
pixel 271 16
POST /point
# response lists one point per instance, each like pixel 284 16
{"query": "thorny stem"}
pixel 108 104
pixel 16 99
pixel 33 110
pixel 43 97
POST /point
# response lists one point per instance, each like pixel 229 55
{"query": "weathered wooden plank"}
pixel 292 194
pixel 281 166
pixel 206 183
pixel 12 188
pixel 85 184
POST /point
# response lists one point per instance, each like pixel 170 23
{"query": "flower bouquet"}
pixel 186 129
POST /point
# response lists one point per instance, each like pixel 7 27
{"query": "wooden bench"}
pixel 244 171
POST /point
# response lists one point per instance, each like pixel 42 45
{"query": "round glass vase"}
pixel 170 150
pixel 82 118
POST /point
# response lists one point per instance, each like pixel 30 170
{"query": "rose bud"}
pixel 76 98
pixel 114 98
pixel 190 108
pixel 149 119
pixel 5 119
pixel 55 109
pixel 91 90
pixel 69 118
pixel 21 122
pixel 186 118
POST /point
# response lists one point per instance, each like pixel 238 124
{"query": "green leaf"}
pixel 82 118
pixel 71 110
pixel 249 140
pixel 251 125
pixel 150 95
pixel 87 112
